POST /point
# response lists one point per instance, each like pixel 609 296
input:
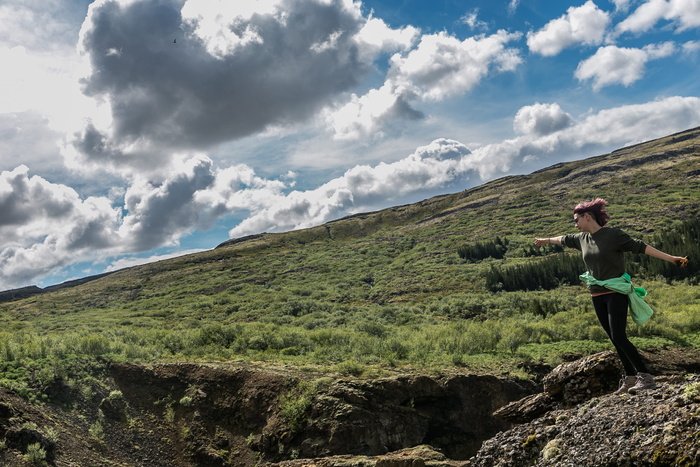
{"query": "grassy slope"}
pixel 378 289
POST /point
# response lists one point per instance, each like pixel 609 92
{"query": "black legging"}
pixel 611 310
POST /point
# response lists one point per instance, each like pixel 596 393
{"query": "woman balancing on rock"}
pixel 611 291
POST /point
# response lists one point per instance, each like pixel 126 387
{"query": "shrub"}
pixel 546 274
pixel 295 404
pixel 93 344
pixel 350 368
pixel 477 251
pixel 36 455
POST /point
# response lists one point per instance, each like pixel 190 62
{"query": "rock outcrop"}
pixel 653 428
pixel 578 420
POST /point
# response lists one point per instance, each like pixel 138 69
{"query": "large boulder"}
pixel 582 379
pixel 568 384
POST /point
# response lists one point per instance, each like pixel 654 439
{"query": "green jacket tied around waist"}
pixel 639 309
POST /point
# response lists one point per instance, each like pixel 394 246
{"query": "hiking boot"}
pixel 626 384
pixel 644 382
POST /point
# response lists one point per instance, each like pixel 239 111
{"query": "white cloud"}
pixel 40 97
pixel 42 82
pixel 513 6
pixel 369 115
pixel 622 5
pixel 224 26
pixel 377 37
pixel 472 20
pixel 159 214
pixel 618 65
pixel 441 66
pixel 691 47
pixel 20 21
pixel 586 24
pixel 605 130
pixel 26 136
pixel 632 124
pixel 363 188
pixel 685 14
pixel 541 119
pixel 45 225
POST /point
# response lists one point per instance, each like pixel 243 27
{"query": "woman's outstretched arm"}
pixel 679 260
pixel 548 241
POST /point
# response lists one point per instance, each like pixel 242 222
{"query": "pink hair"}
pixel 596 208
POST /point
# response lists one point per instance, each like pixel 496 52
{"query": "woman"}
pixel 603 252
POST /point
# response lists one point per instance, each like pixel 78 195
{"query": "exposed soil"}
pixel 235 414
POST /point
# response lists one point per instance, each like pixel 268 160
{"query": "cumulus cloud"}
pixel 619 65
pixel 541 119
pixel 632 124
pixel 192 195
pixel 363 188
pixel 369 115
pixel 204 73
pixel 609 128
pixel 376 37
pixel 45 225
pixel 442 66
pixel 160 214
pixel 684 14
pixel 586 24
pixel 439 67
pixel 175 75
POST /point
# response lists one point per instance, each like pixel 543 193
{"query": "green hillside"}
pixel 430 285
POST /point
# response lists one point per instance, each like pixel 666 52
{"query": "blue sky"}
pixel 134 130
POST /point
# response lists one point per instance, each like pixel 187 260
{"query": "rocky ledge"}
pixel 576 421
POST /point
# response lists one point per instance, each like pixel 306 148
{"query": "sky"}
pixel 137 130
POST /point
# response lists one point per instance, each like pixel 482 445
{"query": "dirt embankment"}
pixel 228 415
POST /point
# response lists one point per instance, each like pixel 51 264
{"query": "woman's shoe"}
pixel 626 384
pixel 644 382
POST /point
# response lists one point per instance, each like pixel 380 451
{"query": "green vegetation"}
pixel 295 404
pixel 35 455
pixel 453 281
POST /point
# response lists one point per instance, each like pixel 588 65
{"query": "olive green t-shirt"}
pixel 603 252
